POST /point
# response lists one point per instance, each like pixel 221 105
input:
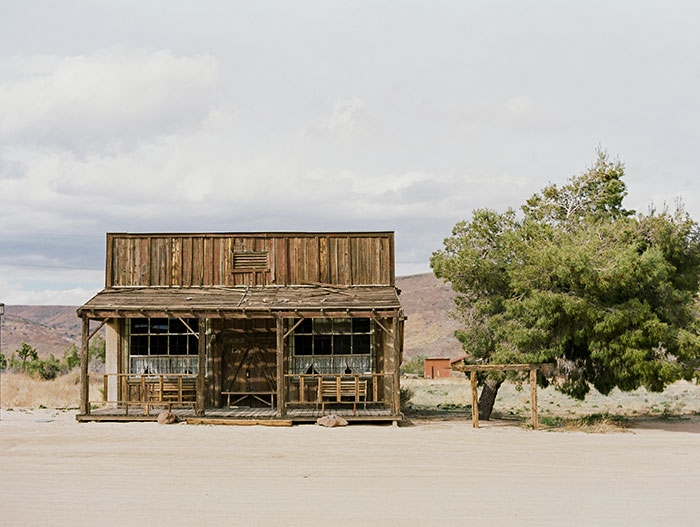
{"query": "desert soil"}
pixel 58 472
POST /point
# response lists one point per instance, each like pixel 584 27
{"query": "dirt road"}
pixel 55 471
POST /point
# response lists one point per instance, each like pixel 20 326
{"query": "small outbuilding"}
pixel 439 367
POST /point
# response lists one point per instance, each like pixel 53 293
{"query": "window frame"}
pixel 368 357
pixel 176 363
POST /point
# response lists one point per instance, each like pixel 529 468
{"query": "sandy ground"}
pixel 55 471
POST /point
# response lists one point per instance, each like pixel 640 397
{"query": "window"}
pixel 339 345
pixel 163 345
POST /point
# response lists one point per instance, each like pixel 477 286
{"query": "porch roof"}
pixel 224 302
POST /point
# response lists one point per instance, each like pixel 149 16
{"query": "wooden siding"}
pixel 194 260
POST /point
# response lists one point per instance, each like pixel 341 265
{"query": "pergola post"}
pixel 532 368
pixel 475 401
pixel 533 397
pixel 281 392
pixel 199 403
pixel 84 358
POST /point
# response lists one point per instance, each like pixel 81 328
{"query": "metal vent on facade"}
pixel 250 260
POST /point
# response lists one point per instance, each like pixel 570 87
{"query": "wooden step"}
pixel 238 422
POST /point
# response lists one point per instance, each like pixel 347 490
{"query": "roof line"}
pixel 254 233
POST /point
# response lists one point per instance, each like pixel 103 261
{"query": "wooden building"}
pixel 439 367
pixel 264 326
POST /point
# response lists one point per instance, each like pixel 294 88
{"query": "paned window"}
pixel 333 345
pixel 163 345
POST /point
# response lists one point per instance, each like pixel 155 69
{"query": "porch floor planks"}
pixel 295 414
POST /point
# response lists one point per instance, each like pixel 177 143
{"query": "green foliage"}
pixel 3 362
pixel 97 349
pixel 47 369
pixel 26 353
pixel 414 366
pixel 578 280
pixel 71 359
pixel 71 356
pixel 26 360
pixel 14 364
pixel 405 394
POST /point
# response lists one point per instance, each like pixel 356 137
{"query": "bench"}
pixel 339 391
pixel 173 390
pixel 156 390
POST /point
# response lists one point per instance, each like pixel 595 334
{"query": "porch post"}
pixel 199 404
pixel 84 385
pixel 396 391
pixel 281 385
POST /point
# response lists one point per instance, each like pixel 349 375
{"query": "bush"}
pixel 405 395
pixel 45 369
pixel 414 366
pixel 71 359
pixel 97 349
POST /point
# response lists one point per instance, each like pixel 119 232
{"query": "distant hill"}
pixel 425 300
pixel 49 329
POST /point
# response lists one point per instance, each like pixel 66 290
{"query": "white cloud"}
pixel 324 120
pixel 36 280
pixel 115 95
pixel 348 119
pixel 14 293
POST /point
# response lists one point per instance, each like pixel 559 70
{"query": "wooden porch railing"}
pixel 322 389
pixel 149 389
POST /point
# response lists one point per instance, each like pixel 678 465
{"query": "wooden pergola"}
pixel 532 368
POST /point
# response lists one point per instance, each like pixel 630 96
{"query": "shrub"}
pixel 415 366
pixel 405 395
pixel 71 359
pixel 45 369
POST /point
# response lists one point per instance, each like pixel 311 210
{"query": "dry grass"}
pixel 22 391
pixel 679 398
pixel 591 424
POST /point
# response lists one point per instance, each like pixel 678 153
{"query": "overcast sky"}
pixel 404 116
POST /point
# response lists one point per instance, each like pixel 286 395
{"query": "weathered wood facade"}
pixel 247 259
pixel 279 326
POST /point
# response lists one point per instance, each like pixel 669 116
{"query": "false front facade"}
pixel 284 326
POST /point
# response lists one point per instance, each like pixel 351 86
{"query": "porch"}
pixel 237 415
pixel 356 397
pixel 245 353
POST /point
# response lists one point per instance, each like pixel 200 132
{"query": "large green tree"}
pixel 576 279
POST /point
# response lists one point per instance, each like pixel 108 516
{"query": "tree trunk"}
pixel 488 397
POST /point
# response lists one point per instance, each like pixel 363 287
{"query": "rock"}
pixel 166 418
pixel 331 421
